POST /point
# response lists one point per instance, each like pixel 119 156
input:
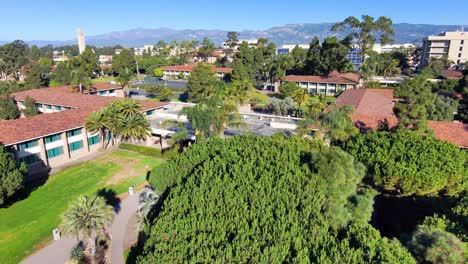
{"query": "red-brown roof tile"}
pixel 372 106
pixel 334 77
pixel 190 68
pixel 451 74
pixel 453 132
pixel 18 130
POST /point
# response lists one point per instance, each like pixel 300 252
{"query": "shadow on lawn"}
pixel 30 186
pixel 111 198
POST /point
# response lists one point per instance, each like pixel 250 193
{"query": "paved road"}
pixel 58 252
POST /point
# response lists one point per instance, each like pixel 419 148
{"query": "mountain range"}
pixel 286 34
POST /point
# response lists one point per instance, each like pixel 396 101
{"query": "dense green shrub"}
pixel 407 163
pixel 251 199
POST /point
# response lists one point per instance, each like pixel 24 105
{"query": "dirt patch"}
pixel 128 169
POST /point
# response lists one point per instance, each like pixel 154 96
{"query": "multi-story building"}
pixel 392 47
pixel 331 84
pixel 105 59
pixel 251 42
pixel 172 72
pixel 57 135
pixel 287 48
pixel 453 45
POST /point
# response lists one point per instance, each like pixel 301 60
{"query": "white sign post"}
pixel 56 233
pixel 131 191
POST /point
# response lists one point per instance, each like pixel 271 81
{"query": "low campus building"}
pixel 331 84
pixel 374 108
pixel 172 72
pixel 57 136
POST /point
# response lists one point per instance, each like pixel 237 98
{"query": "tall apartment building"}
pixel 454 45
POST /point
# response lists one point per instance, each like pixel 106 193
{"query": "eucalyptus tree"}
pixel 366 32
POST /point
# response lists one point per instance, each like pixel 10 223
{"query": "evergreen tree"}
pixel 11 175
pixel 37 77
pixel 30 107
pixel 202 82
pixel 8 109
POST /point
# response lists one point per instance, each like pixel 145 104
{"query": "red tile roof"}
pixel 372 106
pixel 451 74
pixel 96 87
pixel 190 68
pixel 453 132
pixel 334 77
pixel 19 130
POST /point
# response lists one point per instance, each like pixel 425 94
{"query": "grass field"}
pixel 27 224
pixel 103 79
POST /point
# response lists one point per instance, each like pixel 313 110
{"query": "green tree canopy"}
pixel 11 175
pixel 432 245
pixel 408 163
pixel 293 203
pixel 37 77
pixel 366 32
pixel 202 82
pixel 8 109
pixel 30 107
pixel 125 59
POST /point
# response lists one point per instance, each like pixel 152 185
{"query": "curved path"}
pixel 58 252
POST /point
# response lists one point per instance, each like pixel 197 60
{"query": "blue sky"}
pixel 58 19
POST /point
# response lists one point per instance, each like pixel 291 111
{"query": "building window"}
pixel 332 88
pixel 462 42
pixel 75 145
pixel 112 91
pixel 66 108
pixel 94 140
pixel 149 112
pixel 341 87
pixel 461 48
pixel 58 108
pixel 39 105
pixel 28 144
pixel 30 159
pixel 53 138
pixel 74 132
pixel 322 88
pixel 51 153
pixel 459 55
pixel 102 92
pixel 49 107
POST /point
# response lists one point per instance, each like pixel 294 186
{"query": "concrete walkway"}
pixel 58 252
pixel 128 208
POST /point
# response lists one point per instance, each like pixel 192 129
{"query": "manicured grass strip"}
pixel 28 223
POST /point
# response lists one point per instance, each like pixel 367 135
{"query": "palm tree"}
pixel 147 200
pixel 99 121
pixel 316 105
pixel 87 216
pixel 136 127
pixel 211 117
pixel 80 78
pixel 180 136
pixel 301 97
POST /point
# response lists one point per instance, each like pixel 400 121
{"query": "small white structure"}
pixel 56 234
pixel 131 191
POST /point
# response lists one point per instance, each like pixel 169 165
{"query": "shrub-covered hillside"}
pixel 273 199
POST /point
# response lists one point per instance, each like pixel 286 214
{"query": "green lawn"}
pixel 27 225
pixel 259 96
pixel 103 79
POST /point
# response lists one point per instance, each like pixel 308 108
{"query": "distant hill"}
pixel 286 34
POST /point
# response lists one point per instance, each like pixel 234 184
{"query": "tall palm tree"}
pixel 135 127
pixel 337 124
pixel 87 216
pixel 300 97
pixel 100 122
pixel 179 136
pixel 80 78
